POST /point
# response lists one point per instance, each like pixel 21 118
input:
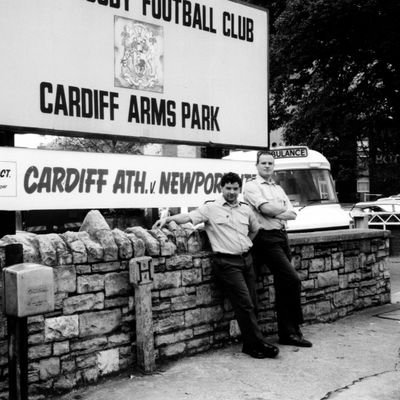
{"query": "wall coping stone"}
pixel 336 235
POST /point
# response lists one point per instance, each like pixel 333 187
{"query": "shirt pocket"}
pixel 222 220
pixel 244 223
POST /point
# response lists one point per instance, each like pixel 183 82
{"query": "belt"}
pixel 273 230
pixel 245 254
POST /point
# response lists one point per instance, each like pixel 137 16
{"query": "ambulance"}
pixel 305 175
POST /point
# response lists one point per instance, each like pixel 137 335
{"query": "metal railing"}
pixel 383 218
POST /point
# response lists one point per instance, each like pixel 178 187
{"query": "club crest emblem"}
pixel 138 59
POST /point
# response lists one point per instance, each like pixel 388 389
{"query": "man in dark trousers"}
pixel 229 225
pixel 273 208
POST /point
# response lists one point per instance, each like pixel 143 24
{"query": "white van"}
pixel 305 176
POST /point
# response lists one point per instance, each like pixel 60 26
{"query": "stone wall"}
pixel 92 332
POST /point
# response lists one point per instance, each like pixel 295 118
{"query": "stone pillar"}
pixel 141 273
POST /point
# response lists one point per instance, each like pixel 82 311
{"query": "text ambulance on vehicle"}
pixel 305 176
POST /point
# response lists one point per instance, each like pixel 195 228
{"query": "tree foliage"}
pixel 334 68
pixel 334 75
pixel 94 145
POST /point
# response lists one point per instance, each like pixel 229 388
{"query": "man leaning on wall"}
pixel 229 224
pixel 273 208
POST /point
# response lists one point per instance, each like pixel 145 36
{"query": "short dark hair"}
pixel 263 153
pixel 231 177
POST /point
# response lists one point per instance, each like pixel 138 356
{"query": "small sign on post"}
pixel 141 273
pixel 28 290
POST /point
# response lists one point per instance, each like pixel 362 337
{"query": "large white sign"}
pixel 179 70
pixel 45 179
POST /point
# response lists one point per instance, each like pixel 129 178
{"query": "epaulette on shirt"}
pixel 243 202
pixel 251 179
pixel 209 201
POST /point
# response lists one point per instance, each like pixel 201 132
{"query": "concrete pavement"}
pixel 357 357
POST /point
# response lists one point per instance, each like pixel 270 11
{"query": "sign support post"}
pixel 8 218
pixel 17 329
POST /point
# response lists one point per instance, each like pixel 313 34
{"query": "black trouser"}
pixel 237 276
pixel 272 248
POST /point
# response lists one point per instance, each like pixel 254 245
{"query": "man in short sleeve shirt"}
pixel 229 225
pixel 273 208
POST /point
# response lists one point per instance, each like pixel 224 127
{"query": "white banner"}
pixel 45 179
pixel 178 70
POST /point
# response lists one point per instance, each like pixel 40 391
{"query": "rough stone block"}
pixel 337 260
pixel 116 302
pixel 35 323
pixel 65 383
pixel 172 350
pixel 317 265
pixel 78 249
pixel 83 269
pixel 117 284
pixel 183 303
pixel 330 278
pixel 108 361
pixel 90 374
pixel 40 351
pixel 307 252
pixel 47 250
pixel 65 278
pixel 63 252
pixel 106 240
pixel 175 337
pixel 343 281
pixel 60 348
pixel 351 264
pixel 89 345
pixel 99 323
pixel 152 245
pixel 94 250
pixel 323 307
pixel 86 361
pixel 308 284
pixel 199 344
pixel 167 280
pixel 204 294
pixel 106 266
pixel 90 283
pixel 34 339
pixel 93 222
pixel 119 339
pixel 167 247
pixel 203 315
pixel 178 262
pixel 343 298
pixel 61 328
pixel 167 293
pixel 83 302
pixel 49 367
pixel 180 237
pixel 191 277
pixel 169 323
pixel 139 248
pixel 125 249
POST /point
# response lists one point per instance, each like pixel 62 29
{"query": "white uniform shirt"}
pixel 227 226
pixel 258 191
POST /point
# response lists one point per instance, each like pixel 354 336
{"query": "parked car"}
pixel 382 213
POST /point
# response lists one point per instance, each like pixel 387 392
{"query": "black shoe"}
pixel 273 350
pixel 262 352
pixel 295 340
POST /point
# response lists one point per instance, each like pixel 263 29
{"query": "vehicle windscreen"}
pixel 307 186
